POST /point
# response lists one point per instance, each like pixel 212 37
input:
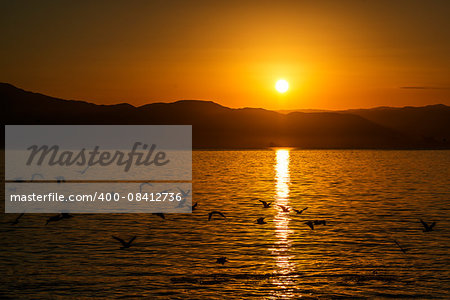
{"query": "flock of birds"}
pixel 211 215
pixel 185 194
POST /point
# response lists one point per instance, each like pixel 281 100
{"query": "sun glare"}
pixel 282 86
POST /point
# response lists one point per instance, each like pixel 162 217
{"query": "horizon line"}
pixel 283 111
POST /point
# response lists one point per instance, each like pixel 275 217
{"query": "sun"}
pixel 282 86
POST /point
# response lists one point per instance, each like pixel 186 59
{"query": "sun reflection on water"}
pixel 283 243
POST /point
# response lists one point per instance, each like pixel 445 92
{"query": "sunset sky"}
pixel 334 54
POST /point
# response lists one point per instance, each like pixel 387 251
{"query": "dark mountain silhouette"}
pixel 216 126
pixel 430 124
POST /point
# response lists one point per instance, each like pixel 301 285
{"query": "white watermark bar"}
pixel 50 168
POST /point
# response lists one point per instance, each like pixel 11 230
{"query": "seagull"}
pixel 54 218
pixel 16 221
pixel 194 206
pixel 37 174
pixel 426 227
pixel 66 216
pixel 60 179
pixel 183 193
pixel 299 212
pixel 215 213
pixel 181 203
pixel 320 222
pixel 310 224
pixel 83 171
pixel 221 260
pixel 261 221
pixel 265 204
pixel 161 215
pixel 184 196
pixel 142 184
pixel 284 208
pixel 124 244
pixel 401 248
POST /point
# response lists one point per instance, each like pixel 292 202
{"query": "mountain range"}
pixel 219 127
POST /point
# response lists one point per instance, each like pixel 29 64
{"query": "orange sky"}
pixel 335 54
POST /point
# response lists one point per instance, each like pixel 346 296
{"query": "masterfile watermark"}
pixel 100 152
pixel 122 168
pixel 84 197
pixel 53 156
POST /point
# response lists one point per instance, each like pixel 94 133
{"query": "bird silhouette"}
pixel 161 215
pixel 284 208
pixel 142 185
pixel 221 260
pixel 181 203
pixel 401 248
pixel 66 216
pixel 320 222
pixel 184 197
pixel 310 224
pixel 426 227
pixel 124 244
pixel 16 221
pixel 265 204
pixel 54 218
pixel 183 193
pixel 84 170
pixel 215 212
pixel 60 179
pixel 194 206
pixel 261 221
pixel 299 212
pixel 35 175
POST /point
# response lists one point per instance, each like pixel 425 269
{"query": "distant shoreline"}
pixel 216 127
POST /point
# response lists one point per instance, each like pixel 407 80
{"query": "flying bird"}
pixel 142 184
pixel 261 221
pixel 161 215
pixel 54 218
pixel 84 170
pixel 310 224
pixel 215 213
pixel 184 196
pixel 426 227
pixel 265 204
pixel 66 216
pixel 60 179
pixel 124 244
pixel 284 208
pixel 183 193
pixel 401 248
pixel 16 221
pixel 299 212
pixel 181 203
pixel 320 222
pixel 37 174
pixel 221 260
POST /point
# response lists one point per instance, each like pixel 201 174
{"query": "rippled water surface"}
pixel 368 199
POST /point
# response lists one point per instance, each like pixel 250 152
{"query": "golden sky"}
pixel 334 54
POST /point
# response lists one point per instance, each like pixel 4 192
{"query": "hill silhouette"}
pixel 429 124
pixel 216 126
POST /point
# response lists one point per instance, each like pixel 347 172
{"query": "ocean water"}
pixel 368 199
